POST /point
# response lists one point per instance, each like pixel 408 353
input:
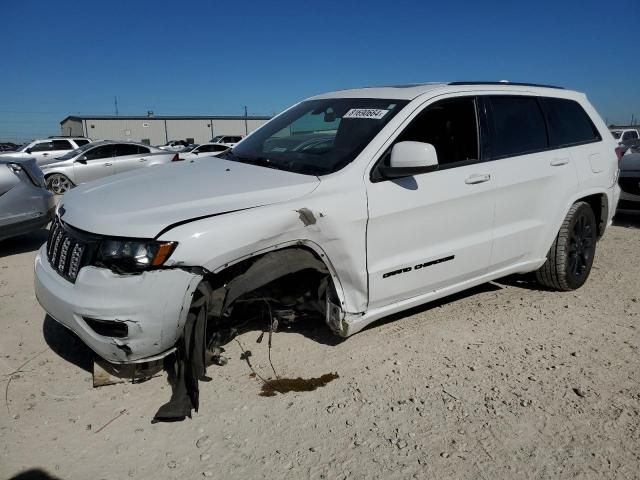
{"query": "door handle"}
pixel 557 162
pixel 142 160
pixel 475 178
pixel 108 164
pixel 45 154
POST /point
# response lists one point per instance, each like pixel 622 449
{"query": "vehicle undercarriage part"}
pixel 292 283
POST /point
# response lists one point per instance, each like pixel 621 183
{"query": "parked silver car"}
pixel 25 204
pixel 630 182
pixel 101 159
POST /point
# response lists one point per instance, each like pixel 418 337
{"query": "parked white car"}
pixel 49 148
pixel 174 145
pixel 421 191
pixel 98 160
pixel 625 135
pixel 228 140
pixel 204 150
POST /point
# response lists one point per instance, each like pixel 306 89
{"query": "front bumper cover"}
pixel 153 304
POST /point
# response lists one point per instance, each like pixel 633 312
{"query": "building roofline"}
pixel 165 117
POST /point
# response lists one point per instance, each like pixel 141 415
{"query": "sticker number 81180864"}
pixel 372 113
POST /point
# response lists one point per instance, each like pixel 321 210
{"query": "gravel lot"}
pixel 504 381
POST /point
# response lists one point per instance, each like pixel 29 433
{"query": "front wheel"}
pixel 570 257
pixel 59 183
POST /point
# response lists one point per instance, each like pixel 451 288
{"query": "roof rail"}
pixel 507 83
pixel 66 136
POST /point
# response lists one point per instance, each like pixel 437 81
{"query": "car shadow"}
pixel 484 288
pixel 28 242
pixel 34 474
pixel 627 220
pixel 67 345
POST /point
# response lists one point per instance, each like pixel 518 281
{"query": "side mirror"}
pixel 82 160
pixel 28 150
pixel 410 158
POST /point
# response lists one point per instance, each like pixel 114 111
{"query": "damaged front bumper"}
pixel 122 318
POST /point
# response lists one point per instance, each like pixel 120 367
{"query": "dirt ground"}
pixel 504 381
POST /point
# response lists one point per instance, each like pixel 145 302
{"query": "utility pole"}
pixel 115 101
pixel 246 127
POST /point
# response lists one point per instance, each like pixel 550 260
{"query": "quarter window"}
pixel 631 135
pixel 568 123
pixel 450 126
pixel 81 142
pixel 516 126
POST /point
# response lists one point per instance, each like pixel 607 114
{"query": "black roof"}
pixel 506 83
pixel 165 117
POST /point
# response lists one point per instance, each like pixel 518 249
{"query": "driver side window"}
pixel 105 151
pixel 42 147
pixel 450 126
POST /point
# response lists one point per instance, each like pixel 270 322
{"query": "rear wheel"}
pixel 59 183
pixel 570 258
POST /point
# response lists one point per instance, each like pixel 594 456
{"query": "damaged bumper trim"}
pixel 155 305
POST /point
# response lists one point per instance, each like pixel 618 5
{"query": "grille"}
pixel 66 251
pixel 630 185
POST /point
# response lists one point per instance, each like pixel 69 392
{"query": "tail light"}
pixel 620 153
pixel 176 158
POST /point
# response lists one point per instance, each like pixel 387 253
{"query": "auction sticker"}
pixel 373 113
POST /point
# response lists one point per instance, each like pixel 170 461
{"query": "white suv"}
pixel 48 149
pixel 352 205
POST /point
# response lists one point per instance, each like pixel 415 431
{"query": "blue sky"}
pixel 66 57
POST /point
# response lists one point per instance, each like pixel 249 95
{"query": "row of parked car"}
pixel 55 165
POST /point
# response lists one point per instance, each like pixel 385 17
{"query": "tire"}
pixel 571 255
pixel 59 183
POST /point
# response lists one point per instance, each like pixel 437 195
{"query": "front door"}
pixel 95 163
pixel 432 230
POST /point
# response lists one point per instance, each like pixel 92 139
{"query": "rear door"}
pixel 95 163
pixel 129 157
pixel 532 181
pixel 433 230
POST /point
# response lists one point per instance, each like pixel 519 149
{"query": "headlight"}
pixel 131 256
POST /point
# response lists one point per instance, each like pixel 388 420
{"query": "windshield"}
pixel 616 134
pixel 76 152
pixel 317 137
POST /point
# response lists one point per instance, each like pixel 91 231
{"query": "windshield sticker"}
pixel 374 113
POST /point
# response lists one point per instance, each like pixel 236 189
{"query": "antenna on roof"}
pixel 115 101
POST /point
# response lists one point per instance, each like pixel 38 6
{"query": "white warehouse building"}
pixel 158 130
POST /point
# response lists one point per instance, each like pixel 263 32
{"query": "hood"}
pixel 630 162
pixel 15 154
pixel 143 202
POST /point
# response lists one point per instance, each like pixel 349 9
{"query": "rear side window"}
pixel 568 123
pixel 62 145
pixel 630 135
pixel 516 126
pixel 123 149
pixel 81 142
pixel 143 150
